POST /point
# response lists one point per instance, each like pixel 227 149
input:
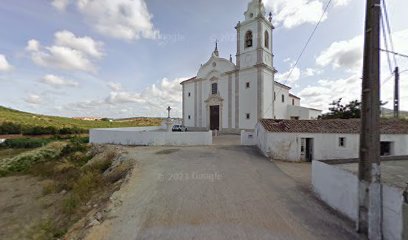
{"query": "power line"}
pixel 303 50
pixel 394 53
pixel 309 40
pixel 386 44
pixel 389 29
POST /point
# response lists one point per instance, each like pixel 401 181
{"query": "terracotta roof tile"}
pixel 345 126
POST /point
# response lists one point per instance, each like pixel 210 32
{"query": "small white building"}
pixel 307 140
pixel 230 96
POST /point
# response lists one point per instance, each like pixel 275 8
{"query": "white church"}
pixel 232 97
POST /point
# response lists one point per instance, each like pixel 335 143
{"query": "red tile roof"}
pixel 345 126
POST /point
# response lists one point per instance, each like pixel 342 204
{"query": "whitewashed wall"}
pixel 133 137
pixel 286 146
pixel 281 109
pixel 248 138
pixel 339 189
pixel 248 98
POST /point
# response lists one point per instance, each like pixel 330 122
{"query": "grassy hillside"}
pixel 34 120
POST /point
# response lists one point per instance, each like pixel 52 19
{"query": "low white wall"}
pixel 133 137
pixel 248 138
pixel 339 189
pixel 286 146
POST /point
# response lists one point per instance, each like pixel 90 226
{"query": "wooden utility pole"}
pixel 370 190
pixel 396 93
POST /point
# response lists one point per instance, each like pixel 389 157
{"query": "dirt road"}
pixel 216 192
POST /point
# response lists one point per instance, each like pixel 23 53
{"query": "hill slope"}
pixel 29 119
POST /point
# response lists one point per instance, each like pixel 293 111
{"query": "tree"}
pixel 340 111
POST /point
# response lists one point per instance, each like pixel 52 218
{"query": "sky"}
pixel 126 58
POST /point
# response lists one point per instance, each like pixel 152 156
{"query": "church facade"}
pixel 231 96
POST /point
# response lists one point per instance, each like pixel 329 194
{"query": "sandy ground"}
pixel 22 204
pixel 215 192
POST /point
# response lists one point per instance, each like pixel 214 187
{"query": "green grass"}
pixel 34 120
pixel 25 161
pixel 9 153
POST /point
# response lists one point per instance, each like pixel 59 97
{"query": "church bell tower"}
pixel 255 63
pixel 254 37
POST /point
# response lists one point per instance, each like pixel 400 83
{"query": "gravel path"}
pixel 216 192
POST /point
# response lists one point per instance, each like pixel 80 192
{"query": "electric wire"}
pixel 303 51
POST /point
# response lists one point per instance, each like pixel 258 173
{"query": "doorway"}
pixel 386 148
pixel 215 117
pixel 306 149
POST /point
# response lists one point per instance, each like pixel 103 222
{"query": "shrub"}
pixel 73 130
pixel 24 161
pixel 26 142
pixel 75 145
pixel 10 128
pixel 37 130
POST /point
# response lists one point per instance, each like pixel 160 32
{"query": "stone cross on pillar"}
pixel 168 110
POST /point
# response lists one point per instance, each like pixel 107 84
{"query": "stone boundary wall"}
pixel 137 137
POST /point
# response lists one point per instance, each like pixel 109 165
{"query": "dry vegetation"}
pixel 74 179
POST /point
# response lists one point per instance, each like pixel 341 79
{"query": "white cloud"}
pixel 310 72
pixel 294 13
pixel 4 64
pixel 114 86
pixel 285 78
pixel 60 4
pixel 57 82
pixel 122 19
pixel 343 54
pixel 327 91
pixel 347 55
pixel 84 44
pixel 33 45
pixel 152 101
pixel 68 52
pixel 341 2
pixel 33 99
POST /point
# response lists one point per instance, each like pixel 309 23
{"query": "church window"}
pixel 189 94
pixel 266 39
pixel 248 85
pixel 283 98
pixel 274 96
pixel 214 88
pixel 248 39
pixel 293 102
pixel 189 116
pixel 248 116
